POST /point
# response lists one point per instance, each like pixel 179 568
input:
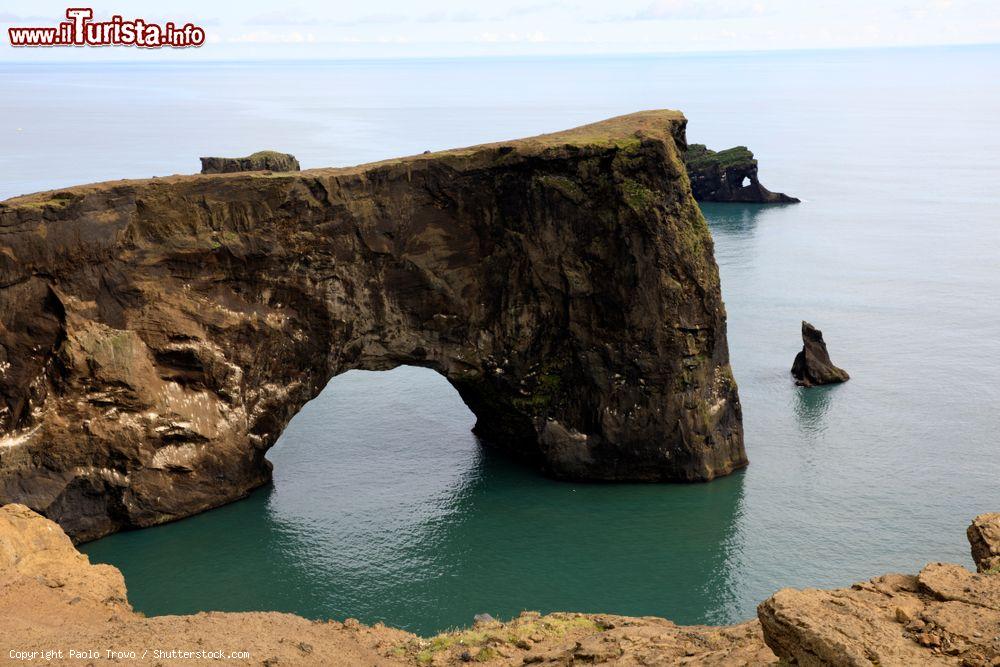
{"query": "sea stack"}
pixel 812 365
pixel 728 176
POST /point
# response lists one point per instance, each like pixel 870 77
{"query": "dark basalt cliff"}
pixel 156 336
pixel 728 176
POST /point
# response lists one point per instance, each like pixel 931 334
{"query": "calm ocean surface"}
pixel 384 507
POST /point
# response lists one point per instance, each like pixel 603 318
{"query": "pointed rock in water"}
pixel 812 365
pixel 984 536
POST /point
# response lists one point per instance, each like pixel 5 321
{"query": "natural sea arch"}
pixel 158 335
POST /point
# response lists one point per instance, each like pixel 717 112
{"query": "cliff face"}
pixel 728 176
pixel 156 336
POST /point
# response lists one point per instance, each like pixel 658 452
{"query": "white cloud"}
pixel 535 37
pixel 664 10
pixel 291 16
pixel 268 37
pixel 10 17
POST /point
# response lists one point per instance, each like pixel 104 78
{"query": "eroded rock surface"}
pixel 588 639
pixel 946 615
pixel 259 161
pixel 812 365
pixel 156 336
pixel 728 176
pixel 984 537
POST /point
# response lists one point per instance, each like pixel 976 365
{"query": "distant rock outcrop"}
pixel 984 536
pixel 259 161
pixel 812 366
pixel 728 176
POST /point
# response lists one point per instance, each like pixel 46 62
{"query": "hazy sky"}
pixel 374 28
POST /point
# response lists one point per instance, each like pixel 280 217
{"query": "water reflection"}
pixel 735 220
pixel 385 508
pixel 811 406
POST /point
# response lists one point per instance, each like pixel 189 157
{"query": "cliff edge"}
pixel 156 336
pixel 53 599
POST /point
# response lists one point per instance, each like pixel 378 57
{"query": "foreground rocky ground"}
pixel 52 599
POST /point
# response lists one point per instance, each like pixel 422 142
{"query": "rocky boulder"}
pixel 259 161
pixel 984 536
pixel 728 176
pixel 945 615
pixel 812 366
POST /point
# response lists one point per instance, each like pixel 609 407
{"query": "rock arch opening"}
pixel 381 426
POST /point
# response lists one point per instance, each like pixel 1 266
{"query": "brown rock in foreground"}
pixel 52 598
pixel 259 161
pixel 984 537
pixel 812 366
pixel 156 336
pixel 946 615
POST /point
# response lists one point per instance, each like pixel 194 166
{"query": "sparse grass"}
pixel 547 386
pixel 637 196
pixel 699 156
pixel 268 154
pixel 565 186
pixel 481 642
pixel 486 654
pixel 48 200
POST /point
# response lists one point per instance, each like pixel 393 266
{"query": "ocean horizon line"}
pixel 509 57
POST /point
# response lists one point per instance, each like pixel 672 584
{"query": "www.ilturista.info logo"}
pixel 80 30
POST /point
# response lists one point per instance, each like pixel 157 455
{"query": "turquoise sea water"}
pixel 384 507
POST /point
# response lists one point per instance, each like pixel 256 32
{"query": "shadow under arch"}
pixel 385 507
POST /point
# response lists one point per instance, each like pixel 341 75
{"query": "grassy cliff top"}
pixel 618 131
pixel 699 156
